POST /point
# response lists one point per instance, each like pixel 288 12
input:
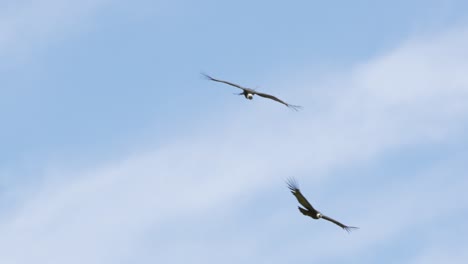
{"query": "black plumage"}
pixel 308 209
pixel 249 93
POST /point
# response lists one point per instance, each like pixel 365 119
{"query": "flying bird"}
pixel 249 93
pixel 309 210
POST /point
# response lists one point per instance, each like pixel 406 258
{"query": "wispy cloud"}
pixel 413 204
pixel 27 25
pixel 413 95
pixel 441 252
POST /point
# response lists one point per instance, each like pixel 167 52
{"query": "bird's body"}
pixel 308 209
pixel 249 93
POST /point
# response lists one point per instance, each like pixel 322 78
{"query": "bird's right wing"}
pixel 269 96
pixel 345 227
pixel 226 82
pixel 293 186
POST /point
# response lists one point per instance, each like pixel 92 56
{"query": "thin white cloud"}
pixel 414 203
pixel 26 25
pixel 412 96
pixel 443 253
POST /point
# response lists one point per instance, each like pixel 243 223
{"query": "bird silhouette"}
pixel 309 210
pixel 249 93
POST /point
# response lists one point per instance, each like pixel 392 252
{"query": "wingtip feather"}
pixel 350 228
pixel 295 107
pixel 292 184
pixel 206 76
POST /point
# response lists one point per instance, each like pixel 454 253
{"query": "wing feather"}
pixel 269 96
pixel 294 187
pixel 226 82
pixel 345 227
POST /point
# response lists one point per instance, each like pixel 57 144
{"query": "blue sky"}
pixel 116 150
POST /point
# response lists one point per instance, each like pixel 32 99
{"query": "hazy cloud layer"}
pixel 410 97
pixel 27 25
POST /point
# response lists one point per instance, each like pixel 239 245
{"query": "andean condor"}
pixel 249 93
pixel 309 210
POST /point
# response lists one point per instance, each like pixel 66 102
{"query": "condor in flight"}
pixel 309 210
pixel 249 93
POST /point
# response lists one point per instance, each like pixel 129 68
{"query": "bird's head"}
pixel 319 215
pixel 249 96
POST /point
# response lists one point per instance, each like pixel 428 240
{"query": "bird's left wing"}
pixel 293 186
pixel 345 227
pixel 269 96
pixel 226 82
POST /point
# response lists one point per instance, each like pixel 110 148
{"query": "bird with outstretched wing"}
pixel 249 93
pixel 308 209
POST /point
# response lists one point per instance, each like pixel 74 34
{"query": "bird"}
pixel 309 210
pixel 249 93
